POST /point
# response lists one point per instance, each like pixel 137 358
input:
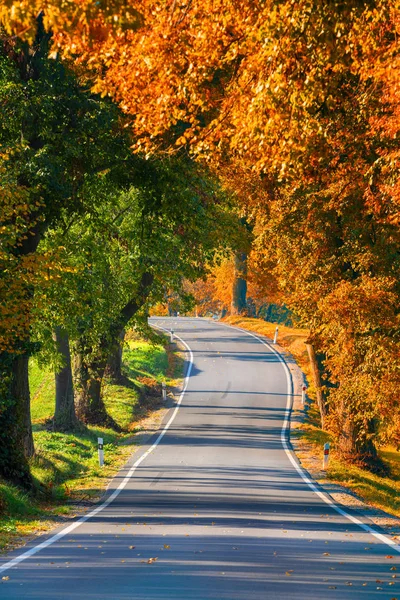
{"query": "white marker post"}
pixel 164 391
pixel 325 461
pixel 303 394
pixel 172 335
pixel 100 451
pixel 276 335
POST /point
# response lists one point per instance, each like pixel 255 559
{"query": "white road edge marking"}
pixel 14 562
pixel 290 454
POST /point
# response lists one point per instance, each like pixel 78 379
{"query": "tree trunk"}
pixel 239 290
pixel 114 363
pixel 356 439
pixel 316 372
pixel 89 373
pixel 90 368
pixel 16 441
pixel 64 415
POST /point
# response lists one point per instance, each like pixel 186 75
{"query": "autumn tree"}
pixel 304 96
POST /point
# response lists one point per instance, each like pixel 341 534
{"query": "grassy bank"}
pixel 65 467
pixel 379 491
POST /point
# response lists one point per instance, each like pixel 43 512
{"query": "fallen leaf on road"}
pixel 388 556
pixel 132 547
pixel 326 554
pixel 167 547
pixel 152 560
pixel 393 568
pixel 6 578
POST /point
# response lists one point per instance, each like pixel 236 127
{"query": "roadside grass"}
pixel 65 467
pixel 383 492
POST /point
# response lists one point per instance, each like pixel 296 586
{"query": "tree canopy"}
pixel 293 107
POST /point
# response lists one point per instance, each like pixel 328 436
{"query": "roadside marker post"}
pixel 172 335
pixel 325 461
pixel 100 451
pixel 164 391
pixel 303 394
pixel 276 335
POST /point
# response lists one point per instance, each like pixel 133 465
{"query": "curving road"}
pixel 217 510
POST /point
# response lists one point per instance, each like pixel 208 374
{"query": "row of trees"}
pixel 91 236
pixel 296 107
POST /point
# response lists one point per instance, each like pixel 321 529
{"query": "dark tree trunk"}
pixel 16 441
pixel 89 373
pixel 64 415
pixel 239 290
pixel 90 368
pixel 356 439
pixel 114 363
pixel 319 388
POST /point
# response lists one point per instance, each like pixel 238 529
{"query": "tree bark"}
pixel 114 363
pixel 16 441
pixel 90 368
pixel 239 290
pixel 356 439
pixel 89 373
pixel 64 415
pixel 316 372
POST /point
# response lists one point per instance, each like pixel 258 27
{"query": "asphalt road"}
pixel 217 510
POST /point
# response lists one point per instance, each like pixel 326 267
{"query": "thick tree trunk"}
pixel 16 441
pixel 89 373
pixel 90 368
pixel 316 372
pixel 239 290
pixel 356 439
pixel 114 363
pixel 64 415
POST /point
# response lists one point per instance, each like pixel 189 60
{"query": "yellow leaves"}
pixel 152 560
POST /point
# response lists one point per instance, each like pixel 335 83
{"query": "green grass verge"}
pixel 65 467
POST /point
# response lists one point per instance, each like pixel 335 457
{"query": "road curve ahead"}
pixel 216 510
